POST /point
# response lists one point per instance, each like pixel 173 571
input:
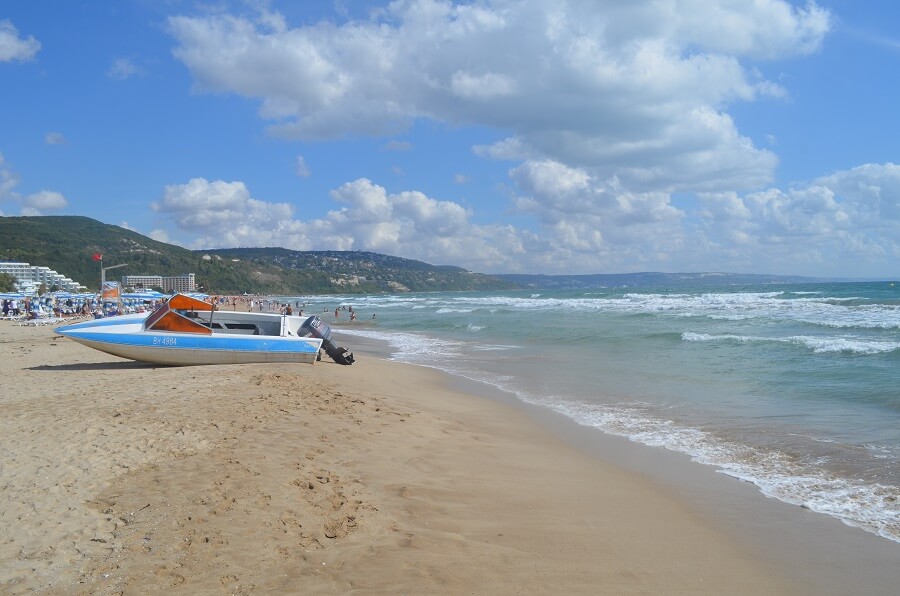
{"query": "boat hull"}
pixel 127 339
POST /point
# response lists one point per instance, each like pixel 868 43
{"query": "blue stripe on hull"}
pixel 182 349
pixel 238 343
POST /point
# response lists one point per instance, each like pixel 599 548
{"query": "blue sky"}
pixel 579 136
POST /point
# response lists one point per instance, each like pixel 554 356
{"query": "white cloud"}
pixel 481 86
pixel 39 203
pixel 12 47
pixel 121 69
pixel 556 192
pixel 395 145
pixel 595 224
pixel 631 90
pixel 218 207
pixel 302 168
pixel 873 190
pixel 508 149
pixel 42 202
pixel 848 221
pixel 873 38
pixel 608 112
pixel 410 224
pixel 8 181
pixel 55 138
pixel 764 29
pixel 160 235
pixel 413 225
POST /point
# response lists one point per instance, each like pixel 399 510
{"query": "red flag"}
pixel 97 256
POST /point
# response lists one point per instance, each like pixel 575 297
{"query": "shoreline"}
pixel 380 478
pixel 824 554
pixel 827 555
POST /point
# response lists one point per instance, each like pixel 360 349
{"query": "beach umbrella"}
pixel 149 295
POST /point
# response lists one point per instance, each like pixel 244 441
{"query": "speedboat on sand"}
pixel 184 331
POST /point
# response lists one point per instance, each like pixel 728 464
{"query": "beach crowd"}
pixel 60 307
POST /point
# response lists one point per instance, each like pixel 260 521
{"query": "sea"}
pixel 792 387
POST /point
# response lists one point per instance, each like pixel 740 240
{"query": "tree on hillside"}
pixel 7 282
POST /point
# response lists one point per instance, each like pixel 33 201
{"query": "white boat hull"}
pixel 125 337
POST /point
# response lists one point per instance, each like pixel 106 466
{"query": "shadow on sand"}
pixel 95 366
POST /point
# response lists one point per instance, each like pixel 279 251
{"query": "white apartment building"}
pixel 30 277
pixel 175 283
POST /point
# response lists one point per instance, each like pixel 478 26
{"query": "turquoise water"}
pixel 795 388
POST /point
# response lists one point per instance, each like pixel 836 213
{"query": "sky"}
pixel 564 137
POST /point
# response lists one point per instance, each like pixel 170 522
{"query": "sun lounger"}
pixel 40 321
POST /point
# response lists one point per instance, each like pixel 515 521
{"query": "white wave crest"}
pixel 820 345
pixel 871 507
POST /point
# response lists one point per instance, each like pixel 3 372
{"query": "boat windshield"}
pixel 172 315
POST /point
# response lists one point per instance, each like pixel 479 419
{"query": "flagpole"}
pixel 99 257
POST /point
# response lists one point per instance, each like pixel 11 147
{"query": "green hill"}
pixel 66 244
pixel 369 270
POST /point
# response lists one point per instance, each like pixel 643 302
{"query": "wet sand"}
pixel 120 477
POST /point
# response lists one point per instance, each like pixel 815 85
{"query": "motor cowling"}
pixel 316 327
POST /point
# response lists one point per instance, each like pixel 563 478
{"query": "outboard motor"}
pixel 315 327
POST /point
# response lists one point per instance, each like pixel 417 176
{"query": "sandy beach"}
pixel 382 478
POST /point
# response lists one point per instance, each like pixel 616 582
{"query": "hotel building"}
pixel 30 277
pixel 175 283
